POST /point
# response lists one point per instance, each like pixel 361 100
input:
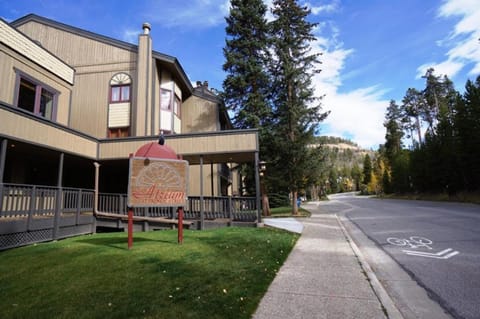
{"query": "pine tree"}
pixel 246 85
pixel 412 106
pixel 367 169
pixel 394 135
pixel 296 110
pixel 467 125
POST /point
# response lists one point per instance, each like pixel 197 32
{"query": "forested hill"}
pixel 342 163
pixel 338 142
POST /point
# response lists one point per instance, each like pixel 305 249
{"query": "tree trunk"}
pixel 294 204
pixel 265 205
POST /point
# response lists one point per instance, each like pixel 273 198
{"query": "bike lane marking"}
pixel 444 254
pixel 415 242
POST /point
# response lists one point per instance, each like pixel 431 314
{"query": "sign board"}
pixel 155 182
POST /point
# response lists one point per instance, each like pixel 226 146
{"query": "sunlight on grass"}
pixel 220 273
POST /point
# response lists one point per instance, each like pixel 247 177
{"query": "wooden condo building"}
pixel 74 105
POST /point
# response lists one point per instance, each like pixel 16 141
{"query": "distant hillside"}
pixel 343 163
pixel 340 145
pixel 335 140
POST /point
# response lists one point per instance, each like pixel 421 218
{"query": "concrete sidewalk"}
pixel 323 276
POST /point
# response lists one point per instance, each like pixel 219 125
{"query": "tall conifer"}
pixel 246 84
pixel 296 110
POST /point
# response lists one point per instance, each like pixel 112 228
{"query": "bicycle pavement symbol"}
pixel 415 242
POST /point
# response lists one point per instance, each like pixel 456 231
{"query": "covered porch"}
pixel 52 176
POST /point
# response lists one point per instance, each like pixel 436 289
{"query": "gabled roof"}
pixel 25 46
pixel 168 62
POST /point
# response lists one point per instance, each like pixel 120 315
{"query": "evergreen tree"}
pixel 412 106
pixel 296 110
pixel 367 169
pixel 394 135
pixel 467 125
pixel 246 85
pixel 356 175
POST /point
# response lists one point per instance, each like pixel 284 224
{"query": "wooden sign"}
pixel 157 182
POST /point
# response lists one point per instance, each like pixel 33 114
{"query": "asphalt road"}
pixel 437 243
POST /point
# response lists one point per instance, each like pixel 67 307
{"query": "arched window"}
pixel 120 87
pixel 119 106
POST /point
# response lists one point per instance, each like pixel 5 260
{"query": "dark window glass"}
pixel 26 95
pixel 35 98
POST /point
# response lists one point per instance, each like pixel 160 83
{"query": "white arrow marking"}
pixel 449 253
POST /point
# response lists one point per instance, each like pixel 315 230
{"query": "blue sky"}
pixel 373 50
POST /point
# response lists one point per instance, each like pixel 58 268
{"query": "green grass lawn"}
pixel 220 273
pixel 286 211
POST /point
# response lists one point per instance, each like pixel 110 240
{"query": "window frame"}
pixel 40 87
pixel 177 105
pixel 120 93
pixel 169 106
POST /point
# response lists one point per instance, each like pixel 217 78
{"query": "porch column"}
pixel 212 190
pixel 97 174
pixel 95 197
pixel 3 156
pixel 211 180
pixel 202 204
pixel 58 202
pixel 257 187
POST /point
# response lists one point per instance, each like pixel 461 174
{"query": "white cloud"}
pixel 130 35
pixel 463 41
pixel 197 13
pixel 357 114
pixel 448 67
pixel 327 8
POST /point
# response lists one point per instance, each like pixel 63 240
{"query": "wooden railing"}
pixel 233 208
pixel 32 213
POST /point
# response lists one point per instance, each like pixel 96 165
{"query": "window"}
pixel 165 99
pixel 120 93
pixel 36 98
pixel 176 106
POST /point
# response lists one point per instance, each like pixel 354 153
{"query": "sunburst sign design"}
pixel 157 182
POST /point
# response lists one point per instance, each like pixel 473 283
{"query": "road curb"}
pixel 387 303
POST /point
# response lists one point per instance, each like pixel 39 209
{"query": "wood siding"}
pixel 119 115
pixel 40 133
pixel 11 62
pixel 76 50
pixel 95 63
pixel 188 145
pixel 34 52
pixel 199 115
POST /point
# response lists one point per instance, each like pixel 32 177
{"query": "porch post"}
pixel 212 191
pixel 257 188
pixel 95 197
pixel 202 204
pixel 58 202
pixel 97 174
pixel 3 156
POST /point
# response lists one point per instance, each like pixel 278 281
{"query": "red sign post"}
pixel 157 178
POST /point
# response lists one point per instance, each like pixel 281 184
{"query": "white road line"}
pixel 440 255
